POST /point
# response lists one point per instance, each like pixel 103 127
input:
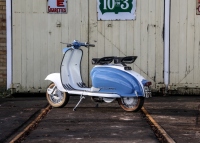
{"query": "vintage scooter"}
pixel 111 78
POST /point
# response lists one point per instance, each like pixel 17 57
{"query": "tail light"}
pixel 147 83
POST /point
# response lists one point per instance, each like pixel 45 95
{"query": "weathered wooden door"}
pixel 37 50
pixel 184 45
pixel 142 37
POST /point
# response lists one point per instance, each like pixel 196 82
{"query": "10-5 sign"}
pixel 116 9
pixel 115 6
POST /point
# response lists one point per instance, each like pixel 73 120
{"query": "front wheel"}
pixel 56 98
pixel 132 104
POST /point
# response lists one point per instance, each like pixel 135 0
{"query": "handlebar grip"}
pixel 91 45
pixel 69 45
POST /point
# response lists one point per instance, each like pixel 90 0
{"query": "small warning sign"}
pixel 57 6
pixel 198 7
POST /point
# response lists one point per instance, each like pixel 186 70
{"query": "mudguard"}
pixel 55 78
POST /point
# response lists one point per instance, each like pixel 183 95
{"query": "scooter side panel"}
pixel 111 80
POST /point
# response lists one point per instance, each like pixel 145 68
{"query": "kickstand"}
pixel 81 98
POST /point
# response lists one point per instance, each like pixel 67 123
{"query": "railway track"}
pixel 159 132
pixel 31 126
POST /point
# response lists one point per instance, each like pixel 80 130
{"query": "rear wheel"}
pixel 132 104
pixel 57 98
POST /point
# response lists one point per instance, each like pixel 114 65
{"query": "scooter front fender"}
pixel 55 78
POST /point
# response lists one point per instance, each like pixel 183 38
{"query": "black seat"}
pixel 95 60
pixel 117 60
pixel 102 61
pixel 125 60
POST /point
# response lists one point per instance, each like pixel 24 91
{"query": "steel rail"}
pixel 160 133
pixel 158 130
pixel 18 138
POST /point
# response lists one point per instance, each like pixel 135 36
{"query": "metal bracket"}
pixel 51 91
pixel 136 93
pixel 81 98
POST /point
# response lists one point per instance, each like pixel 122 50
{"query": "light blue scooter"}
pixel 111 78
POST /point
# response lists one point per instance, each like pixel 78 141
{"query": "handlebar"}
pixel 91 45
pixel 76 44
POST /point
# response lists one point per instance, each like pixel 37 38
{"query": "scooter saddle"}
pixel 102 61
pixel 117 60
pixel 125 60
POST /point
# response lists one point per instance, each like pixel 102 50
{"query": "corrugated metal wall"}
pixel 37 48
pixel 184 46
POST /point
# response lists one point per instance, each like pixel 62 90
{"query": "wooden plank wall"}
pixel 142 37
pixel 37 50
pixel 184 45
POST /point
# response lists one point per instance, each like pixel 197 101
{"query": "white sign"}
pixel 116 9
pixel 57 6
pixel 198 7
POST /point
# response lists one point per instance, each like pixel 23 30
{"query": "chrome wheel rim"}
pixel 130 102
pixel 56 97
